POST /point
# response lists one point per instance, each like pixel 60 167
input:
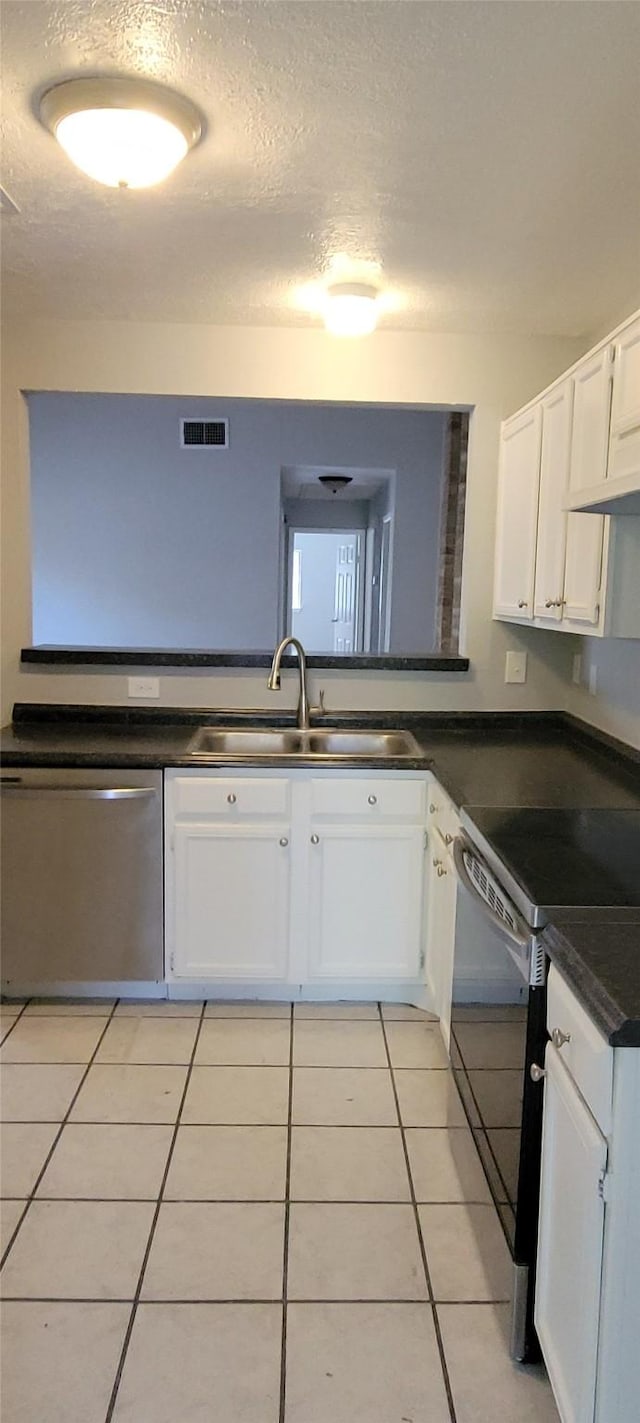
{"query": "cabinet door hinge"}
pixel 426 840
pixel 603 1185
pixel 171 962
pixel 422 958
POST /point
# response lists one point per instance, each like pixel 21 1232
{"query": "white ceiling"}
pixel 480 158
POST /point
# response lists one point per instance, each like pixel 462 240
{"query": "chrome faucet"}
pixel 273 681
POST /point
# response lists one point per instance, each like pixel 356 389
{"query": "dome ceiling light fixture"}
pixel 335 483
pixel 125 133
pixel 351 309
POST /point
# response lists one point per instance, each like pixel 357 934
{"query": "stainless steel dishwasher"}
pixel 82 878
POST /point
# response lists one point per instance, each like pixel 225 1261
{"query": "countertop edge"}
pixel 603 1010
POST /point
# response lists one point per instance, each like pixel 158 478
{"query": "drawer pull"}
pixel 536 1073
pixel 284 842
pixel 559 1038
pixel 231 798
pixel 315 839
pixel 372 799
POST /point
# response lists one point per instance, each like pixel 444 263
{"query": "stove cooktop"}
pixel 553 859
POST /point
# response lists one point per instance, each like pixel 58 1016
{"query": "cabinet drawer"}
pixel 586 1054
pixel 230 797
pixel 371 797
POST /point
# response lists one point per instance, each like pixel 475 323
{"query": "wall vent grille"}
pixel 204 434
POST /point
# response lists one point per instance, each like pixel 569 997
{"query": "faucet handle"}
pixel 320 710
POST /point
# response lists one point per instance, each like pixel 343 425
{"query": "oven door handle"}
pixel 517 940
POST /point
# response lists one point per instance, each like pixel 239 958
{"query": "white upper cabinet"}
pixel 589 440
pixel 624 448
pixel 517 515
pixel 557 567
pixel 552 520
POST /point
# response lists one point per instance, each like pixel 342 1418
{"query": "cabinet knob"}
pixel 522 603
pixel 448 839
pixel 372 799
pixel 441 871
pixel 432 809
pixel 551 603
pixel 315 839
pixel 283 841
pixel 559 1038
pixel 536 1073
pixel 231 798
pixel 436 863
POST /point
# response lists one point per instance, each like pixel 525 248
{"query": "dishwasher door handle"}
pixel 12 788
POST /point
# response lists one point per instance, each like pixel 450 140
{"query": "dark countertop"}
pixel 490 759
pixel 601 963
pixel 51 656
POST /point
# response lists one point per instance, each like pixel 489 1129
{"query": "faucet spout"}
pixel 273 680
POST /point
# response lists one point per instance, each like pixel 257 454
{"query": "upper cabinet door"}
pixel 552 519
pixel 624 448
pixel 517 515
pixel 585 532
pixel 590 428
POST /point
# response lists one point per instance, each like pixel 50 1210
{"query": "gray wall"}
pixel 138 543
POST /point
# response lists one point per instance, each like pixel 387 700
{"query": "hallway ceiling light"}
pixel 126 133
pixel 335 482
pixel 351 309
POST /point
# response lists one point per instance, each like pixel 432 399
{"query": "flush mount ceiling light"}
pixel 335 482
pixel 351 309
pixel 126 133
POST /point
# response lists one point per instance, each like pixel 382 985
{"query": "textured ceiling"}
pixel 481 159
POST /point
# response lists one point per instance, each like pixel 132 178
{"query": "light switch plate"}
pixel 515 667
pixel 576 674
pixel 593 679
pixel 143 687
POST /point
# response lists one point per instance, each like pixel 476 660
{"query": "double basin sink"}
pixel 255 743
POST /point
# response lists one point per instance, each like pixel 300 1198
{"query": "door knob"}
pixel 315 839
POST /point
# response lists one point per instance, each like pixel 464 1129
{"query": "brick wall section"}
pixel 452 526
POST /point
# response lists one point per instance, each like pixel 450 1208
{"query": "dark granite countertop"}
pixel 601 963
pixel 489 759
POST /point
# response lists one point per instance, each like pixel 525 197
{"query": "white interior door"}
pixel 325 597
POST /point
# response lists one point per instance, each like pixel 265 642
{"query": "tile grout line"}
pixel 423 1252
pixel 14 1024
pixel 287 1213
pixel 31 1197
pixel 136 1300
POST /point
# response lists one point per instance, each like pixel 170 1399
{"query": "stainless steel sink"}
pixel 362 743
pixel 246 741
pixel 254 743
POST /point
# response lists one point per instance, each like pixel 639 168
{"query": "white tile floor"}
pixel 231 1213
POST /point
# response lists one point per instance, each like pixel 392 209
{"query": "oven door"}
pixel 497 1031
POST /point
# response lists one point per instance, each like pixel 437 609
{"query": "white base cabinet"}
pixel 587 1307
pixel 295 879
pixel 571 1232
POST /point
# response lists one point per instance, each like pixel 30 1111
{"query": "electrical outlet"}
pixel 515 667
pixel 576 673
pixel 593 679
pixel 143 687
